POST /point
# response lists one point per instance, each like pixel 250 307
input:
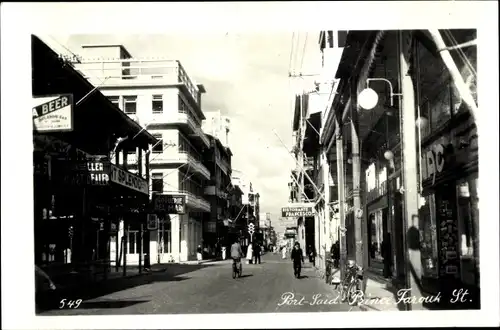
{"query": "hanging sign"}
pixel 170 204
pixel 53 113
pixel 129 180
pixel 152 222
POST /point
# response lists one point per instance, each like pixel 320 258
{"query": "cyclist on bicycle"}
pixel 236 253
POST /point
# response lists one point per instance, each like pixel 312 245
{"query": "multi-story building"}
pixel 250 201
pixel 218 126
pixel 218 160
pixel 160 96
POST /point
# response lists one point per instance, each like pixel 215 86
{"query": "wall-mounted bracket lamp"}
pixel 368 98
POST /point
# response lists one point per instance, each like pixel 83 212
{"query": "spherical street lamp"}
pixel 368 99
pixel 388 155
pixel 422 122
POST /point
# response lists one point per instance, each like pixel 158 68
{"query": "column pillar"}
pixel 356 173
pixel 326 178
pixel 175 236
pixel 410 184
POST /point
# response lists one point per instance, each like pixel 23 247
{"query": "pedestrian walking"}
pixel 283 252
pixel 297 259
pixel 249 253
pixel 199 254
pixel 256 253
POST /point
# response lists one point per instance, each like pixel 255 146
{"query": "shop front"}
pixel 449 213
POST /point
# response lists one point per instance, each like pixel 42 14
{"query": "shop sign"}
pixel 297 211
pixel 53 113
pixel 449 260
pixel 129 180
pixel 170 204
pixel 433 161
pixel 93 171
pixel 152 222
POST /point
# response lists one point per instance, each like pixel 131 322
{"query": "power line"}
pixel 303 52
pixel 291 53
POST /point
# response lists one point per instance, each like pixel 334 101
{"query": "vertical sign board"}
pixel 53 113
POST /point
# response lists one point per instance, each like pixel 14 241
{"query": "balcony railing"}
pixel 183 119
pixel 176 158
pixel 136 72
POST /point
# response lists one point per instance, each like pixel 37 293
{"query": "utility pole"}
pixel 356 174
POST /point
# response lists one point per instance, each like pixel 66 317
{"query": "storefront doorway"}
pixel 378 231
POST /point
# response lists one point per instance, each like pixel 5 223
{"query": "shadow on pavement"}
pixel 246 275
pixel 87 290
pixel 303 276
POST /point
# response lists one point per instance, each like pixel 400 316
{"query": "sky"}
pixel 246 78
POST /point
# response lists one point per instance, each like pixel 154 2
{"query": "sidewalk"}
pixel 380 295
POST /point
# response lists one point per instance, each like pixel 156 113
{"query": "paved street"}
pixel 210 288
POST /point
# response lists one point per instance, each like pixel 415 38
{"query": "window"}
pixel 115 100
pixel 157 182
pixel 182 105
pixel 157 104
pixel 130 104
pixel 428 236
pixel 158 148
pixel 132 242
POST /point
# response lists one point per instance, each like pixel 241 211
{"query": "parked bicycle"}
pixel 351 285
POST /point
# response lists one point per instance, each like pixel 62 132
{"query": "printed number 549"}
pixel 69 303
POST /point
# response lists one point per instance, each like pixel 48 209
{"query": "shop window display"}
pixel 468 228
pixel 428 236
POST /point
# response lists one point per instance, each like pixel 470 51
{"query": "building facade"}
pixel 411 156
pixel 216 225
pixel 162 98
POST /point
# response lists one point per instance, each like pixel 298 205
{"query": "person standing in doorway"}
pixel 256 253
pixel 386 250
pixel 312 254
pixel 297 259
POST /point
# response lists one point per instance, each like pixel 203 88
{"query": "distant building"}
pixel 218 126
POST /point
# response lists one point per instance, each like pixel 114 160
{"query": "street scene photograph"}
pixel 162 197
pixel 256 172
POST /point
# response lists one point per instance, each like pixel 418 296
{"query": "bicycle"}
pixel 237 268
pixel 351 284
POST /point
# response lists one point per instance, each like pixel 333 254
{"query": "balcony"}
pixel 185 122
pixel 178 159
pixel 213 191
pixel 119 73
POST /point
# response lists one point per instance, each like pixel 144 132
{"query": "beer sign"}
pixel 53 113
